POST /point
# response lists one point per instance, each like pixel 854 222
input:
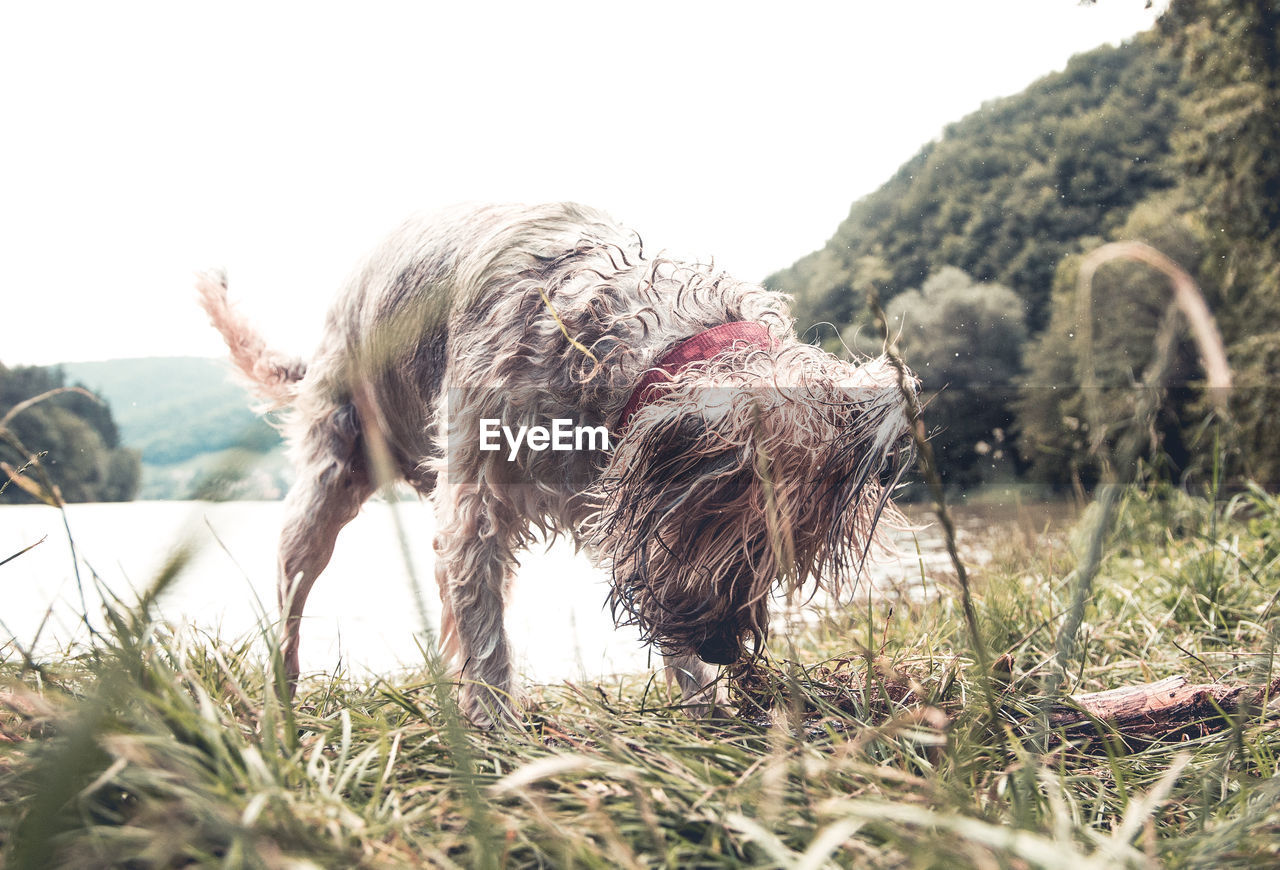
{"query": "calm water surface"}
pixel 363 613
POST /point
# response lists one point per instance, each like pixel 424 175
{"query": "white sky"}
pixel 140 143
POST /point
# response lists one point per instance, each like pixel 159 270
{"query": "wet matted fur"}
pixel 762 467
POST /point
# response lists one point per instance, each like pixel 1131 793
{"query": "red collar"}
pixel 702 346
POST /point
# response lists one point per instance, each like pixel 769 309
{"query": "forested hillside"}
pixel 1008 190
pixel 175 427
pixel 73 436
pixel 1172 139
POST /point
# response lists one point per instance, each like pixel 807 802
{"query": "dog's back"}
pixel 387 334
pixel 389 330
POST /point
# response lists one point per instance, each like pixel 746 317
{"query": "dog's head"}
pixel 758 467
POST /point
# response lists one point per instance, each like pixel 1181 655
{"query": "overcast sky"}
pixel 144 142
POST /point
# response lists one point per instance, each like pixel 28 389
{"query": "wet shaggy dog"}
pixel 739 461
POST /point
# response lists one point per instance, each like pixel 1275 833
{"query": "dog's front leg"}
pixel 703 693
pixel 474 562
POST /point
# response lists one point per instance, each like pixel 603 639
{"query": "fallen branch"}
pixel 1167 710
pixel 1127 718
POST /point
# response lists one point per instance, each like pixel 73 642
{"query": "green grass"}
pixel 161 750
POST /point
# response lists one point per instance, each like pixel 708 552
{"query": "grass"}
pixel 161 748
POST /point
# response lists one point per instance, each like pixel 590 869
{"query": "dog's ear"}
pixel 696 454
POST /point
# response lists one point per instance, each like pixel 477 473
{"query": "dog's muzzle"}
pixel 722 648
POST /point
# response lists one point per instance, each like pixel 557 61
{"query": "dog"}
pixel 729 460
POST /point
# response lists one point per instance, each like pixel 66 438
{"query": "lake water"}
pixel 362 613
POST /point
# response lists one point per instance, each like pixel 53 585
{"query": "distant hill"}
pixel 190 421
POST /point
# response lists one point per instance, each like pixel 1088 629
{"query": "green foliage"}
pixel 964 340
pixel 1229 155
pixel 74 436
pixel 1255 404
pixel 1056 424
pixel 1230 152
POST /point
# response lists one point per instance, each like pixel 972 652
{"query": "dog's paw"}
pixel 487 707
pixel 712 702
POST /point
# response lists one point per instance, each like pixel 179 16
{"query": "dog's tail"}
pixel 273 376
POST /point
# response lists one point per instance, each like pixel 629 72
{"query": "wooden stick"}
pixel 1168 709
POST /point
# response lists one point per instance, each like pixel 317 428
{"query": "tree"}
pixel 1229 152
pixel 964 340
pixel 74 436
pixel 1057 428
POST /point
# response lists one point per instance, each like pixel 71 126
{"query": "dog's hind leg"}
pixel 333 482
pixel 475 534
pixel 702 693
